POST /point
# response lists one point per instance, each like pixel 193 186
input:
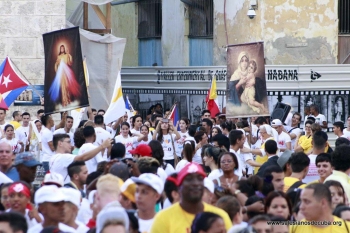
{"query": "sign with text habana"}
pixel 246 94
pixel 65 85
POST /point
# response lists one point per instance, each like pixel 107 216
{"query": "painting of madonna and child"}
pixel 246 84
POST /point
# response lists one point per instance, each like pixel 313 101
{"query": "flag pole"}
pixel 170 111
pixel 35 90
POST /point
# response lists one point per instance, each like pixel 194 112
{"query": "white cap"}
pixel 53 178
pixel 72 195
pixel 209 184
pixel 151 180
pixel 276 122
pixel 112 213
pixel 48 193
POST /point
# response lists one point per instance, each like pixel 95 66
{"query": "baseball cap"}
pixel 27 159
pixel 276 122
pixel 72 195
pixel 53 178
pixel 48 193
pixel 209 184
pixel 142 150
pixel 128 189
pixel 151 180
pixel 190 168
pixel 283 159
pixel 111 213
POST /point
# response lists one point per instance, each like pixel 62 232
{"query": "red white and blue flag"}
pixel 11 84
pixel 174 115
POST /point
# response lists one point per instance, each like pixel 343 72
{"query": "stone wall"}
pixel 22 24
pixel 294 32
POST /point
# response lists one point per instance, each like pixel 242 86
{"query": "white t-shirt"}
pixel 22 133
pixel 181 165
pixel 169 169
pixel 91 164
pixel 111 131
pixel 38 228
pixel 275 134
pixel 162 174
pixel 241 166
pixel 134 131
pixel 15 146
pixel 101 135
pixel 59 164
pixel 283 138
pixel 215 174
pixel 128 142
pixel 46 137
pixel 245 157
pixel 320 119
pixel 179 144
pixel 82 228
pixel 293 130
pixel 63 131
pixel 149 138
pixel 346 133
pixel 168 146
pixel 197 158
pixel 312 174
pixel 145 225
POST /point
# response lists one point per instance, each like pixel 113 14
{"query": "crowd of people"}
pixel 153 175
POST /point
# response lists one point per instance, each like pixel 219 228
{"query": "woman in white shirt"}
pixel 137 123
pixel 187 155
pixel 126 138
pixel 17 145
pixel 179 144
pixel 144 130
pixel 211 159
pixel 158 154
pixel 167 139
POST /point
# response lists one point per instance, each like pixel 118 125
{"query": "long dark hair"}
pixel 188 150
pixel 157 152
pixel 203 221
pixel 160 134
pixel 60 50
pixel 127 124
pixel 134 119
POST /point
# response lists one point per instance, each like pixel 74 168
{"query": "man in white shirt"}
pixel 90 137
pixel 62 159
pixel 338 128
pixel 346 131
pixel 320 119
pixel 67 129
pixel 319 143
pixel 294 130
pixel 283 141
pixel 101 133
pixel 149 188
pixel 50 200
pixel 22 132
pixel 46 140
pixel 71 208
pixel 237 140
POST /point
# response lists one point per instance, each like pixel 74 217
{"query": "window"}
pixel 344 16
pixel 201 16
pixel 150 19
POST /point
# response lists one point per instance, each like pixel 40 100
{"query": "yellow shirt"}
pixel 289 181
pixel 261 159
pixel 344 228
pixel 15 124
pixel 306 143
pixel 175 220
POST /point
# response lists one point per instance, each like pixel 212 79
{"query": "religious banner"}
pixel 65 85
pixel 246 85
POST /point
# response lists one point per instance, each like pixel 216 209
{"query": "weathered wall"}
pixel 294 31
pixel 174 35
pixel 124 25
pixel 22 24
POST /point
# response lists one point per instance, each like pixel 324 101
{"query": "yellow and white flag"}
pixel 116 108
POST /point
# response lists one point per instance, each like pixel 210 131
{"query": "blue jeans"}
pixel 46 166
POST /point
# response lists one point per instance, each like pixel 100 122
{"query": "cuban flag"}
pixel 11 84
pixel 212 104
pixel 174 115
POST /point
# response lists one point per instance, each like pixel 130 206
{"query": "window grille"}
pixel 149 19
